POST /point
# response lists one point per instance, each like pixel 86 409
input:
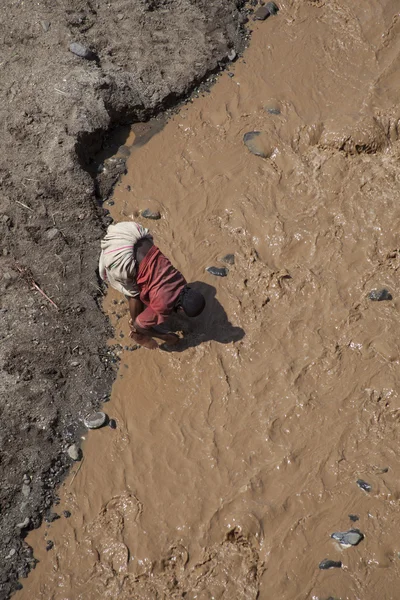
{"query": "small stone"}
pixel 74 452
pixel 111 202
pixel 272 107
pixel 52 233
pixel 330 564
pixel 51 517
pixel 112 423
pixel 24 524
pixel 348 538
pixel 149 214
pixel 258 144
pixel 66 514
pixel 95 420
pixel 11 553
pixel 26 490
pixel 379 295
pixel 264 12
pixel 128 188
pixel 49 545
pixel 26 479
pixel 229 259
pixel 81 51
pixel 354 518
pixel 45 25
pixel 231 74
pixel 232 55
pixel 364 485
pixel 218 271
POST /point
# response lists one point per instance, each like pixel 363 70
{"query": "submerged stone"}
pixel 264 12
pixel 379 295
pixel 95 420
pixel 258 143
pixel 218 271
pixel 348 538
pixel 330 564
pixel 150 214
pixel 229 259
pixel 354 518
pixel 112 423
pixel 364 485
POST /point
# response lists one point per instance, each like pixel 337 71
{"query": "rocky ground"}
pixel 56 109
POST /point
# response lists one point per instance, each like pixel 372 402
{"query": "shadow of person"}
pixel 212 324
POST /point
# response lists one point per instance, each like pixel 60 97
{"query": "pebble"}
pixel 264 12
pixel 26 479
pixel 229 259
pixel 232 55
pixel 52 516
pixel 66 514
pixel 45 25
pixel 218 271
pixel 348 538
pixel 379 295
pixel 257 143
pixel 354 518
pixel 81 51
pixel 26 490
pixel 149 214
pixel 11 553
pixel 364 485
pixel 24 524
pixel 112 423
pixel 95 420
pixel 272 107
pixel 49 545
pixel 74 452
pixel 330 564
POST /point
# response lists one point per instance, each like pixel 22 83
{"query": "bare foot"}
pixel 143 340
pixel 171 339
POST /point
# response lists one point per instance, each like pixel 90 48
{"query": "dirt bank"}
pixel 55 108
pixel 236 457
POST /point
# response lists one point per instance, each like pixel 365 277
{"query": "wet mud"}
pixel 274 423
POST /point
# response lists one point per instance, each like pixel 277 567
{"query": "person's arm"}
pixel 135 308
pixel 146 324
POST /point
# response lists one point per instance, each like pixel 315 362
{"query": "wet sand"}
pixel 236 457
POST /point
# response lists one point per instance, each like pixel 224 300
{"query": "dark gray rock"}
pixel 330 564
pixel 364 485
pixel 112 423
pixel 379 295
pixel 66 514
pixel 218 271
pixel 354 518
pixel 82 51
pixel 228 259
pixel 348 538
pixel 49 545
pixel 45 25
pixel 264 12
pixel 150 214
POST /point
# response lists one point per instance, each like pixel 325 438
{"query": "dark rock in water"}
pixel 264 12
pixel 51 516
pixel 379 295
pixel 364 485
pixel 149 214
pixel 95 420
pixel 81 51
pixel 229 259
pixel 354 518
pixel 112 423
pixel 272 107
pixel 330 564
pixel 231 75
pixel 66 514
pixel 272 7
pixel 218 271
pixel 49 545
pixel 348 538
pixel 257 143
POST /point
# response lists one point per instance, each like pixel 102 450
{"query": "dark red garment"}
pixel 160 285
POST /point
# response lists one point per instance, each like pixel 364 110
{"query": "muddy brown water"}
pixel 236 458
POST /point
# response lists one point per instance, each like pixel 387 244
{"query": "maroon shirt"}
pixel 160 285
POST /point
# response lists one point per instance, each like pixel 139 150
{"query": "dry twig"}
pixel 27 275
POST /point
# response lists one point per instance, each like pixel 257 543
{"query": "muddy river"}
pixel 236 456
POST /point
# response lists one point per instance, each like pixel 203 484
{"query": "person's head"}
pixel 191 302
